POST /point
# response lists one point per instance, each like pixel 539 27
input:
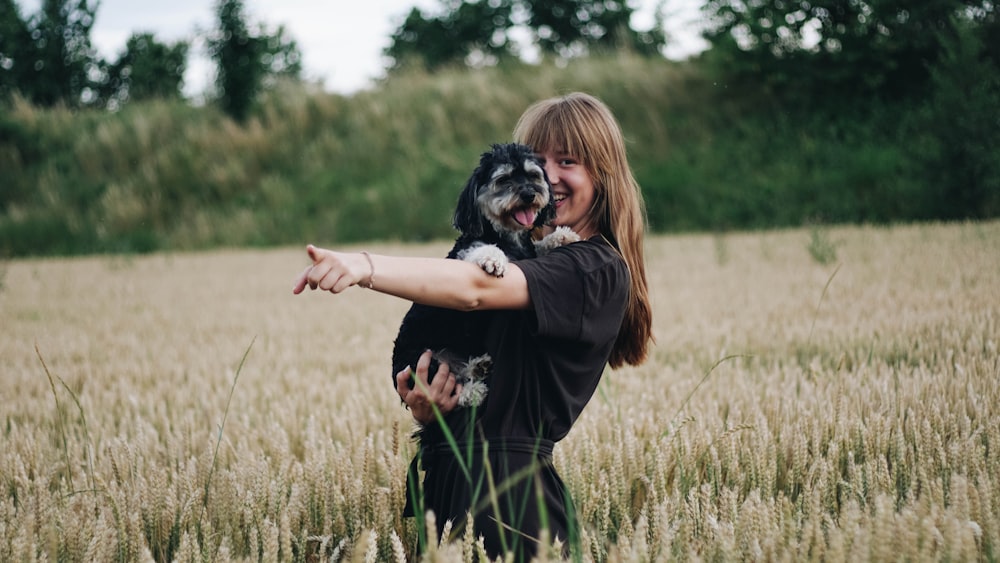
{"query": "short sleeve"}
pixel 578 292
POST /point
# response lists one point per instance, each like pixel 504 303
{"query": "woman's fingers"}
pixel 332 271
pixel 301 282
pixel 444 382
pixel 445 389
pixel 326 272
pixel 423 366
pixel 403 383
pixel 440 392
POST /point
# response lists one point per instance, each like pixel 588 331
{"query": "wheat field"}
pixel 815 394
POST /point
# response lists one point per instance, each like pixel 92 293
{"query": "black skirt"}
pixel 509 485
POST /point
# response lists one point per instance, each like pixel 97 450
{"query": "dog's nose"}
pixel 527 195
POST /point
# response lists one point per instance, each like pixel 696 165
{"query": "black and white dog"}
pixel 505 199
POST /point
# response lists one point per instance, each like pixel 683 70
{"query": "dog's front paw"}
pixel 559 237
pixel 489 257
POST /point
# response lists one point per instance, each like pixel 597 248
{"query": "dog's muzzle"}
pixel 528 195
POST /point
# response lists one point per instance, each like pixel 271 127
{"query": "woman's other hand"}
pixel 442 391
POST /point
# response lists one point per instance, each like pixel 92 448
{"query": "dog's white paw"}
pixel 472 394
pixel 489 257
pixel 559 237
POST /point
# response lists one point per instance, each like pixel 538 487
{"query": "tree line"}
pixel 927 72
pixel 48 59
pixel 789 52
pixel 799 110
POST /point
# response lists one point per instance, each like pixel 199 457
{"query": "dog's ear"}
pixel 468 220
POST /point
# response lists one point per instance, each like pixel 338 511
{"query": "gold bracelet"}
pixel 371 277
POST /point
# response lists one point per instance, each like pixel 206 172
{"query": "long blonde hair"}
pixel 583 126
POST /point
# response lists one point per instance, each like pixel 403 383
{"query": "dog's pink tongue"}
pixel 525 217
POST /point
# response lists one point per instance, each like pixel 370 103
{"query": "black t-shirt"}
pixel 547 363
pixel 548 360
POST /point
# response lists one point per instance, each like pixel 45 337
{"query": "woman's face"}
pixel 573 191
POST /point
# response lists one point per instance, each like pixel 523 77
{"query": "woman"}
pixel 559 320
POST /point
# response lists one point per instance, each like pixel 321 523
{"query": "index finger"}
pixel 301 281
pixel 403 382
pixel 423 366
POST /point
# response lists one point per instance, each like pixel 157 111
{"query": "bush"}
pixel 388 164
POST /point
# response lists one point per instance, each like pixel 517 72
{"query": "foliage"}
pixel 246 61
pixel 467 29
pixel 834 50
pixel 147 69
pixel 956 130
pixel 572 27
pixel 237 56
pixel 481 32
pixel 820 247
pixel 14 36
pixel 388 164
pixel 48 58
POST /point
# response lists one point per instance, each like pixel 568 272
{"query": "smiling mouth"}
pixel 559 198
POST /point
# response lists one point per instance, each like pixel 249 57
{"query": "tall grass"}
pixel 791 410
pixel 387 164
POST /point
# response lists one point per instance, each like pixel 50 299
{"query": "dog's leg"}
pixel 479 367
pixel 489 257
pixel 474 388
pixel 559 237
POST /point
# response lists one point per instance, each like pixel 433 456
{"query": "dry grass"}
pixel 792 410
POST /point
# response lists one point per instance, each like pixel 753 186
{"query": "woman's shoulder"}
pixel 593 253
pixel 585 256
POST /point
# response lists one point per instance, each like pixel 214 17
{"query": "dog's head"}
pixel 508 191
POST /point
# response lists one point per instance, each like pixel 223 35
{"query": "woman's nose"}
pixel 552 172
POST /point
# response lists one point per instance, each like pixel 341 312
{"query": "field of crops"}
pixel 815 394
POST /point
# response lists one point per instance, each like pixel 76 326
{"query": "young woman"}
pixel 559 321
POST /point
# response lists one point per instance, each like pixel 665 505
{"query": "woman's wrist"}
pixel 371 272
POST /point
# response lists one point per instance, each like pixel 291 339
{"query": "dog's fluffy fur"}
pixel 506 198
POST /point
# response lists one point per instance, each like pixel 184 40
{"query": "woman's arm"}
pixel 440 282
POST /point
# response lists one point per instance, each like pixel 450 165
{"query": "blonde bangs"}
pixel 560 125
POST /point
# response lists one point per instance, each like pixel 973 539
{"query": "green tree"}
pixel 15 49
pixel 48 58
pixel 237 57
pixel 145 69
pixel 282 58
pixel 480 31
pixel 247 61
pixel 464 29
pixel 955 136
pixel 809 50
pixel 571 27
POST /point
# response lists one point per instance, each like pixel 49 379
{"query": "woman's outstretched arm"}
pixel 440 282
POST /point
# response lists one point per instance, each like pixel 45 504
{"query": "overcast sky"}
pixel 341 41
